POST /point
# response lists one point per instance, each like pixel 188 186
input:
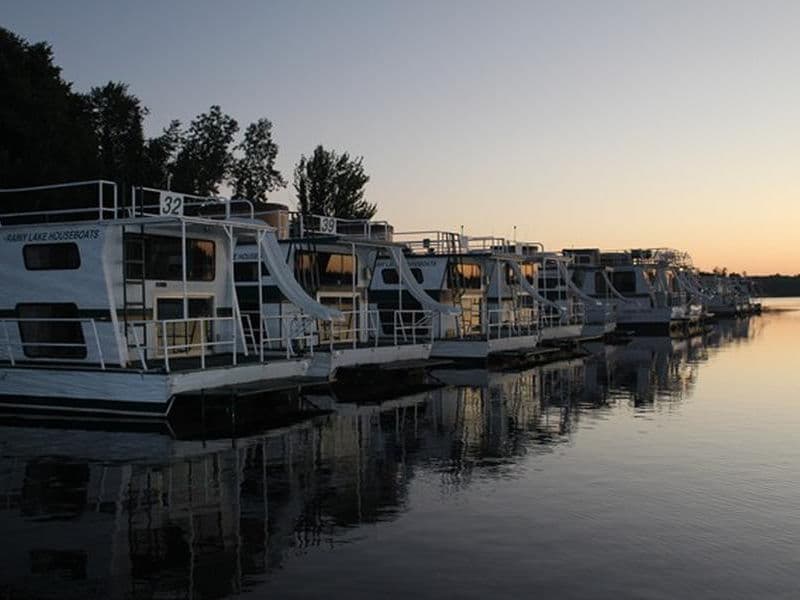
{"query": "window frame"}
pixel 63 245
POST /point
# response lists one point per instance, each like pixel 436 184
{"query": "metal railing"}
pixel 101 210
pixel 304 224
pixel 197 335
pixel 511 322
pixel 431 242
pixel 9 345
pixel 192 205
pixel 412 325
pixel 356 327
pixel 299 333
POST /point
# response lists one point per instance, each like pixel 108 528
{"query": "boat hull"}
pixel 126 391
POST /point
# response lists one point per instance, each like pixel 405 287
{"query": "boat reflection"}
pixel 195 512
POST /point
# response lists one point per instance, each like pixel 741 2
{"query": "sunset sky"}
pixel 600 123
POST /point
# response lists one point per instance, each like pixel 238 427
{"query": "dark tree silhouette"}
pixel 46 132
pixel 159 156
pixel 330 184
pixel 117 117
pixel 253 173
pixel 204 159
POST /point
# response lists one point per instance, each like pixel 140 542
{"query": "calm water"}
pixel 660 469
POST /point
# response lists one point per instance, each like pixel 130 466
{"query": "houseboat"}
pixel 334 261
pixel 563 314
pixel 482 281
pixel 654 300
pixel 118 306
pixel 589 280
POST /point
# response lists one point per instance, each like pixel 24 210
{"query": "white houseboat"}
pixel 589 279
pixel 562 308
pixel 655 299
pixel 117 307
pixel 479 285
pixel 334 261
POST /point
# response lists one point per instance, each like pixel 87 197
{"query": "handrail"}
pixel 515 321
pixel 101 209
pixel 162 345
pixel 419 320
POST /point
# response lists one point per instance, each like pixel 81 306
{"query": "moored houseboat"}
pixel 334 261
pixel 481 281
pixel 655 300
pixel 118 306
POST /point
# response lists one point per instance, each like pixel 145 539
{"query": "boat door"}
pixel 186 334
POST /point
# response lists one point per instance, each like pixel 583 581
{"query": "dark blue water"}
pixel 657 469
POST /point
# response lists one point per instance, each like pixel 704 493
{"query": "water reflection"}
pixel 138 514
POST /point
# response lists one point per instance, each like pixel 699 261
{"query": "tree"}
pixel 254 174
pixel 331 184
pixel 204 159
pixel 159 156
pixel 46 134
pixel 117 117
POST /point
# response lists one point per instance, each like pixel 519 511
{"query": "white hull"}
pixel 482 349
pixel 127 392
pixel 561 332
pixel 325 364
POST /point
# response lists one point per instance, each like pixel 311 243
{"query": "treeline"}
pixel 50 133
pixel 777 285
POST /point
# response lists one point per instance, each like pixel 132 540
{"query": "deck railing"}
pixel 511 322
pixel 106 208
pixel 413 326
pixel 431 242
pixel 200 339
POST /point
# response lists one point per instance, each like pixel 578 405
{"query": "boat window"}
pixel 43 257
pixel 390 276
pixel 42 324
pixel 578 277
pixel 163 258
pixel 528 270
pixel 248 271
pixel 467 276
pixel 333 269
pixel 624 281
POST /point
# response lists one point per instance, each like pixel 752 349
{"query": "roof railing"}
pixel 432 242
pixel 59 202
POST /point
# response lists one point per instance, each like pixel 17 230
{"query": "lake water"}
pixel 657 469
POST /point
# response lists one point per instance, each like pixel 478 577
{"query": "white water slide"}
pixel 530 289
pixel 282 275
pixel 414 288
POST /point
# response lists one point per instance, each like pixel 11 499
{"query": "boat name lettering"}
pixel 53 236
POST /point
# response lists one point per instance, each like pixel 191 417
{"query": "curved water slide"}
pixel 414 288
pixel 282 275
pixel 691 288
pixel 530 289
pixel 614 291
pixel 575 289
